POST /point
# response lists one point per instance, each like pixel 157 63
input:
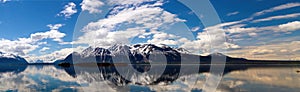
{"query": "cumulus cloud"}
pixel 143 17
pixel 18 47
pixel 92 6
pixel 69 10
pixel 23 46
pixel 291 26
pixel 55 55
pixel 209 41
pixel 164 38
pixel 52 34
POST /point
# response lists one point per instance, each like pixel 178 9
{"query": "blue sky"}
pixel 48 29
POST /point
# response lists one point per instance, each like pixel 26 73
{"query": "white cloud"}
pixel 44 49
pixel 69 10
pixel 164 38
pixel 253 31
pixel 233 13
pixel 212 39
pixel 148 16
pixel 92 6
pixel 291 26
pixel 278 17
pixel 17 47
pixel 194 29
pixel 55 26
pixel 23 46
pixel 117 37
pixel 277 8
pixel 53 34
pixel 273 9
pixel 56 55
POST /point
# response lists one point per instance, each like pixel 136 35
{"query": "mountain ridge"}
pixel 139 54
pixel 11 59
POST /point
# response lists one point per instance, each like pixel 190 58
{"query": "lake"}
pixel 181 78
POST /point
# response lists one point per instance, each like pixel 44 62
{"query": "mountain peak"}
pixel 90 51
pixel 119 49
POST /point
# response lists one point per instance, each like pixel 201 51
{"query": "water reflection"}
pixel 12 68
pixel 161 78
pixel 35 78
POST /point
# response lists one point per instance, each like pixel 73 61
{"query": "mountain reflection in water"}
pixel 148 78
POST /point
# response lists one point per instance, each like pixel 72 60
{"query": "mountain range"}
pixel 140 54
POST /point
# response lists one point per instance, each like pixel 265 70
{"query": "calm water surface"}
pixel 236 78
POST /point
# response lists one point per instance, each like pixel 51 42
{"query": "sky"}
pixel 49 30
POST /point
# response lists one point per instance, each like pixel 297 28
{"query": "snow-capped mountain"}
pixel 10 58
pixel 89 55
pixel 147 49
pixel 158 53
pixel 95 52
pixel 139 53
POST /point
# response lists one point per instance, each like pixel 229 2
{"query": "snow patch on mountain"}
pixel 120 49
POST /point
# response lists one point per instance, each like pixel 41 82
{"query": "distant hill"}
pixel 6 58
